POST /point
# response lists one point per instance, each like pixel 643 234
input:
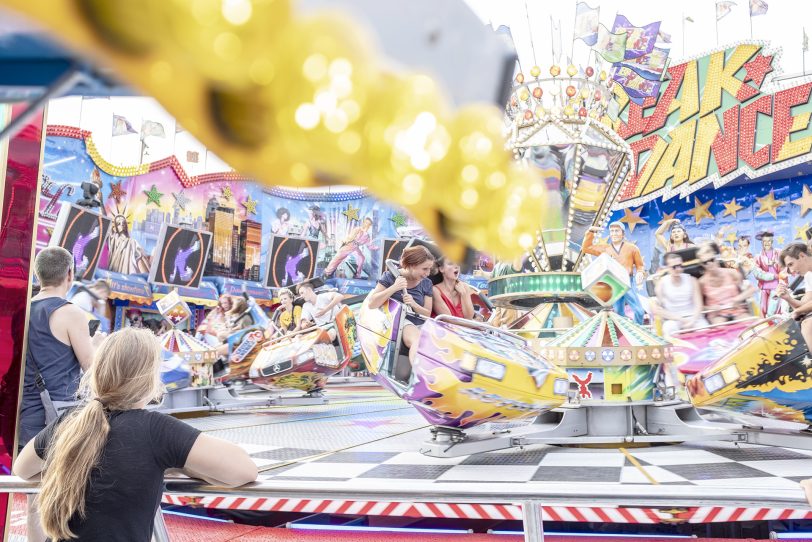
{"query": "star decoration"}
pixel 632 218
pixel 116 192
pixel 351 212
pixel 153 196
pixel 181 200
pixel 758 68
pixel 769 204
pixel 805 201
pixel 780 240
pixel 731 208
pixel 399 220
pixel 800 232
pixel 227 193
pixel 666 218
pixel 700 210
pixel 250 205
pixel 731 237
pixel 370 424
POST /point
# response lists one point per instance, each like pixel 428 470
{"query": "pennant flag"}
pixel 689 19
pixel 723 8
pixel 152 128
pixel 121 126
pixel 640 39
pixel 555 36
pixel 612 47
pixel 758 7
pixel 586 23
pixel 637 87
pixel 663 36
pixel 650 65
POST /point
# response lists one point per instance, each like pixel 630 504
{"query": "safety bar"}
pixel 531 502
pixel 595 494
pixel 293 334
pixel 481 326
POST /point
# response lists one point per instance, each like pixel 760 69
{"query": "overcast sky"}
pixel 782 26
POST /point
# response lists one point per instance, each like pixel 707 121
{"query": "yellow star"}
pixel 250 206
pixel 226 192
pixel 351 212
pixel 780 240
pixel 731 208
pixel 700 210
pixel 800 232
pixel 805 201
pixel 769 204
pixel 632 218
pixel 731 237
pixel 666 217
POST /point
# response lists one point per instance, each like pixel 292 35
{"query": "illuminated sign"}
pixel 717 117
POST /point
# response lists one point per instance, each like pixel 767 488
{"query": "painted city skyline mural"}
pixel 242 216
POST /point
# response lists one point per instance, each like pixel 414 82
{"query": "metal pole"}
pixel 159 532
pixel 533 524
pixel 65 82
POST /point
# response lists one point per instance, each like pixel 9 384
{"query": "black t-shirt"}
pixel 420 292
pixel 125 487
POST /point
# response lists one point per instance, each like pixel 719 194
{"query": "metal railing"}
pixel 530 499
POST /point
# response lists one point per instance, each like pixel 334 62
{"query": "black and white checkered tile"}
pixel 717 464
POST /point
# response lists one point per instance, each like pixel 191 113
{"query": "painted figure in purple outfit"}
pixel 181 257
pixel 80 261
pixel 292 273
pixel 358 237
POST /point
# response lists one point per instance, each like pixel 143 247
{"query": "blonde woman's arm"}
pixel 205 461
pixel 28 464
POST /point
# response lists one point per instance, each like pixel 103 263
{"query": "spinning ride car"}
pixel 301 360
pixel 768 374
pixel 465 373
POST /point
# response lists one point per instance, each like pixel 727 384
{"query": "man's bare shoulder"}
pixel 69 311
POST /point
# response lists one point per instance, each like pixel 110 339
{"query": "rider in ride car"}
pixel 413 288
pixel 452 296
pixel 319 309
pixel 724 290
pixel 798 261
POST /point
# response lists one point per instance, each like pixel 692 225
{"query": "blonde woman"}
pixel 103 464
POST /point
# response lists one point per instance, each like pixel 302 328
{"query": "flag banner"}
pixel 758 7
pixel 586 23
pixel 612 47
pixel 152 128
pixel 640 39
pixel 723 8
pixel 555 34
pixel 121 126
pixel 636 86
pixel 663 37
pixel 650 65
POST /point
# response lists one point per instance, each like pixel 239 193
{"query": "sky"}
pixel 782 26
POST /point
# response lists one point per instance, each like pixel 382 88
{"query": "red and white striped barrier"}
pixel 579 514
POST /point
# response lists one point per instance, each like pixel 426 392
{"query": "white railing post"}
pixel 532 521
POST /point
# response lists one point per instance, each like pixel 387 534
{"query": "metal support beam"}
pixel 533 523
pixel 159 531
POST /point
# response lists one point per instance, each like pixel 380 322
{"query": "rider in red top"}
pixel 452 296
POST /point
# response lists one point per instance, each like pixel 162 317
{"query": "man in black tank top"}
pixel 59 346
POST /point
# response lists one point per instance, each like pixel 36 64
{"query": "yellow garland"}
pixel 304 101
pixel 107 167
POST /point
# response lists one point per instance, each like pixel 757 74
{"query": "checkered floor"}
pixel 367 436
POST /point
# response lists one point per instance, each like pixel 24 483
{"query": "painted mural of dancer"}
pixel 316 223
pixel 358 237
pixel 80 261
pixel 281 225
pixel 767 272
pixel 292 273
pixel 125 255
pixel 180 267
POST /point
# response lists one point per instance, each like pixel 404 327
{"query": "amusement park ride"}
pixel 604 379
pixel 298 361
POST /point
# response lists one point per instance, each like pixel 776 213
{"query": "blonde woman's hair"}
pixel 125 372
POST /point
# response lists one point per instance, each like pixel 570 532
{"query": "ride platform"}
pixel 365 437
